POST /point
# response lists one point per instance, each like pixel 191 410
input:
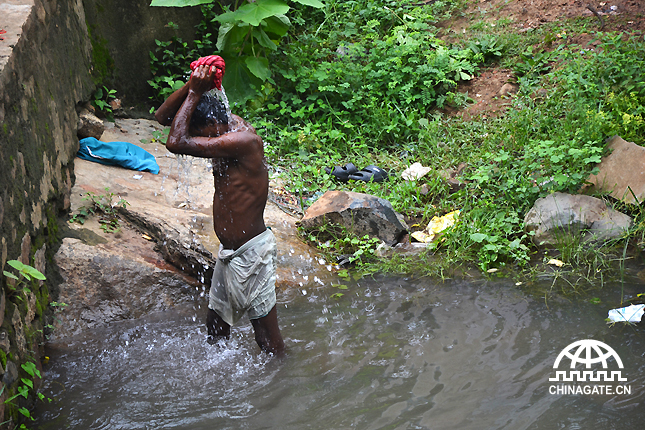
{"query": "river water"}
pixel 390 354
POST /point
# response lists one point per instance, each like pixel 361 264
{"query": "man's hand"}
pixel 201 79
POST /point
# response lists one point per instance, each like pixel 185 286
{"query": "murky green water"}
pixel 390 354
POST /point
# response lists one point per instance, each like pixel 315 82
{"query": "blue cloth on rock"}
pixel 122 154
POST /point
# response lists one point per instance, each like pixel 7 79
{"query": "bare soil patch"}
pixel 486 90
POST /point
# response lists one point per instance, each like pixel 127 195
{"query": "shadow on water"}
pixel 391 353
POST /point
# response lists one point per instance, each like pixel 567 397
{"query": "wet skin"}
pixel 241 183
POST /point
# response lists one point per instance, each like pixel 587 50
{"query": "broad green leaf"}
pixel 10 275
pixel 227 18
pixel 223 35
pixel 34 273
pixel 231 36
pixel 277 24
pixel 27 382
pixel 18 265
pixel 178 3
pixel 237 80
pixel 23 391
pixel 30 367
pixel 478 237
pixel 259 67
pixel 254 13
pixel 313 3
pixel 263 39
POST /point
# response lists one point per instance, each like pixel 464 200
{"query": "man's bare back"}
pixel 241 183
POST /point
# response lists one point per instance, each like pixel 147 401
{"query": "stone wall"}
pixel 52 58
pixel 123 32
pixel 44 72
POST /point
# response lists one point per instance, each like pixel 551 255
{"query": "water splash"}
pixel 221 94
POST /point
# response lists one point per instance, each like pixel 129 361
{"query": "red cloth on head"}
pixel 212 60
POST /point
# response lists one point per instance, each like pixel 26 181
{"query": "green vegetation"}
pixel 20 287
pixel 102 99
pixel 105 207
pixel 24 277
pixel 247 34
pixel 371 82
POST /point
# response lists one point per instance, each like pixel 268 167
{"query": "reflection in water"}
pixel 391 353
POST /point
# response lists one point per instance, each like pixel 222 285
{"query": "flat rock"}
pixel 621 173
pixel 114 280
pixel 360 213
pixel 552 215
pixel 167 235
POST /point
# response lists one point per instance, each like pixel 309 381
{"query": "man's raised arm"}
pixel 234 144
pixel 169 108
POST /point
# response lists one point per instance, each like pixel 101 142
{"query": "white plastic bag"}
pixel 632 313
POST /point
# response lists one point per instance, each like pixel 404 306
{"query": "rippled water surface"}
pixel 389 354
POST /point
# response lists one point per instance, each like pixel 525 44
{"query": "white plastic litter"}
pixel 632 313
pixel 414 172
pixel 138 176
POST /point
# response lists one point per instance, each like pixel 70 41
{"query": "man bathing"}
pixel 245 273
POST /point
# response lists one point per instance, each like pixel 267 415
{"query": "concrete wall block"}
pixel 44 74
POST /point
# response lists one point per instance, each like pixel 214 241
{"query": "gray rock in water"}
pixel 115 281
pixel 621 173
pixel 89 125
pixel 559 212
pixel 359 213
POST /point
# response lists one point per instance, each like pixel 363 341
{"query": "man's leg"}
pixel 216 326
pixel 267 333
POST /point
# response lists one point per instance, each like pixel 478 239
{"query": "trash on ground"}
pixel 436 226
pixel 414 172
pixel 632 313
pixel 555 262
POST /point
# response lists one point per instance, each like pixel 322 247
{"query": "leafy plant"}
pixel 160 136
pixel 246 34
pixel 26 274
pixel 105 207
pixel 58 307
pixel 102 99
pixel 532 64
pixel 23 390
pixel 338 243
pixel 486 46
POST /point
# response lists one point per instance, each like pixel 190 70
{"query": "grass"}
pixel 367 81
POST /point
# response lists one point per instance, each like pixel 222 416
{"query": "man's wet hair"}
pixel 209 109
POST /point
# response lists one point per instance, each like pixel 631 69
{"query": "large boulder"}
pixel 359 213
pixel 110 280
pixel 621 173
pixel 559 212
